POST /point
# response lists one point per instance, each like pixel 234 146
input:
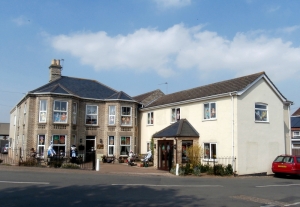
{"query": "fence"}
pixel 24 158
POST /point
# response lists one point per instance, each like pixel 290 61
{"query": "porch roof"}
pixel 181 128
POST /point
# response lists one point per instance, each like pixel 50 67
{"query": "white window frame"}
pixel 175 116
pixel 41 138
pixel 296 135
pixel 124 143
pixel 43 111
pixel 58 145
pixel 74 113
pixel 208 155
pixel 60 111
pixel 261 111
pixel 111 145
pixel 150 118
pixel 112 115
pixel 126 116
pixel 210 111
pixel 91 113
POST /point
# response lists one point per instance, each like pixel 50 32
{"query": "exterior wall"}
pixel 259 143
pixel 31 128
pixel 217 131
pixel 234 130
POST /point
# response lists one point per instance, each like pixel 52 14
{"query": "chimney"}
pixel 55 70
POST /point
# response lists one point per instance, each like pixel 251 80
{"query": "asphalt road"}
pixel 54 187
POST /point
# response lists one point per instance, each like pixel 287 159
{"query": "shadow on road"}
pixel 96 195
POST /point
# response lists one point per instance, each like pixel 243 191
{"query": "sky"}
pixel 137 46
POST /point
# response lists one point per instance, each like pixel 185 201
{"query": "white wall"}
pixel 259 143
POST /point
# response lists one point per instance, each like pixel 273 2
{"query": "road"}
pixel 21 186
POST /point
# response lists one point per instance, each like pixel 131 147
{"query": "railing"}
pixel 25 158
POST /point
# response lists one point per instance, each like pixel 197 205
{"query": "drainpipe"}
pixel 290 133
pixel 232 131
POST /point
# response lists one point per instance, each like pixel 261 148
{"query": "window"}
pixel 43 111
pixel 296 135
pixel 24 118
pixel 60 113
pixel 74 113
pixel 111 145
pixel 41 146
pixel 125 145
pixel 135 116
pixel 111 115
pixel 126 116
pixel 59 144
pixel 210 150
pixel 185 145
pixel 261 112
pixel 148 146
pixel 210 110
pixel 91 115
pixel 73 139
pixel 150 118
pixel 175 114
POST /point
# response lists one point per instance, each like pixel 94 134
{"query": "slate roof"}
pixel 143 96
pixel 84 88
pixel 295 122
pixel 181 128
pixel 233 85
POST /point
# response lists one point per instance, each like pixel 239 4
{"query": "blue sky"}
pixel 138 45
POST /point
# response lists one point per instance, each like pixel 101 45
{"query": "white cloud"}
pixel 289 30
pixel 179 49
pixel 20 21
pixel 173 3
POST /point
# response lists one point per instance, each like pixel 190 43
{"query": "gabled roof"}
pixel 84 88
pixel 237 85
pixel 296 113
pixel 181 128
pixel 120 96
pixel 148 98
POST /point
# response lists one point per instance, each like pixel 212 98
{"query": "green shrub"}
pixel 70 166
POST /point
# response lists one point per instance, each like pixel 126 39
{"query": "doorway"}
pixel 90 148
pixel 165 154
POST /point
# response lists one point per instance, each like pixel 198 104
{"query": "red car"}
pixel 286 165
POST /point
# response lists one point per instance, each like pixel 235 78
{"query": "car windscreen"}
pixel 279 159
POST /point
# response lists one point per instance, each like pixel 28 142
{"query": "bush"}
pixel 70 166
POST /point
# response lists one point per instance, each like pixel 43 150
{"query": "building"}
pixel 246 119
pixel 4 134
pixel 295 132
pixel 74 111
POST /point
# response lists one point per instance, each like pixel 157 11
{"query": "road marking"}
pixel 293 204
pixel 266 186
pixel 15 182
pixel 185 186
pixel 260 200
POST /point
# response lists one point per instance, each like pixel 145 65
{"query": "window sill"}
pixel 214 119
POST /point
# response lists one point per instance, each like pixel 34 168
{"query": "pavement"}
pixel 105 168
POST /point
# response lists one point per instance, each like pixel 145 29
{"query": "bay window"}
pixel 74 113
pixel 91 115
pixel 59 144
pixel 111 145
pixel 126 118
pixel 125 145
pixel 41 146
pixel 43 111
pixel 111 115
pixel 60 112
